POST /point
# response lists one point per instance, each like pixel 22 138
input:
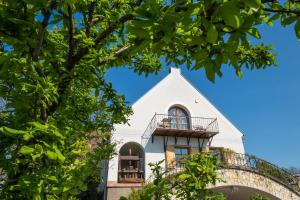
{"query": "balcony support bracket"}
pixel 209 141
pixel 199 146
pixel 188 140
pixel 165 142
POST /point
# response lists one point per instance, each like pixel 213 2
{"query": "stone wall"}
pixel 237 177
pixel 115 190
pixel 232 177
pixel 116 193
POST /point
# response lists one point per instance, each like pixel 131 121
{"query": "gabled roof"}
pixel 176 72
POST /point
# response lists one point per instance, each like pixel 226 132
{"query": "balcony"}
pixel 193 127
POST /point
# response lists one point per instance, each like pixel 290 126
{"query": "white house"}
pixel 171 120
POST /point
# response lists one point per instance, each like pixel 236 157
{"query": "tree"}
pixel 191 183
pixel 54 55
pixel 199 172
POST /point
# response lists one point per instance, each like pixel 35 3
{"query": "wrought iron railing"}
pixel 232 160
pixel 182 123
pixel 260 166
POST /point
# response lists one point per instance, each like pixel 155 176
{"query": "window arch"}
pixel 131 163
pixel 179 118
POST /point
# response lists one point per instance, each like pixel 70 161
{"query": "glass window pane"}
pixel 180 154
pixel 177 151
pixel 179 118
pixel 184 151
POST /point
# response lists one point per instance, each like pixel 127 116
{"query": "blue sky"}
pixel 265 104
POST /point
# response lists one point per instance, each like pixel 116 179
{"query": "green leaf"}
pixel 19 21
pixel 209 70
pixel 12 132
pixel 231 15
pixel 52 155
pixel 38 125
pixel 239 73
pixel 52 178
pixel 34 157
pixel 212 34
pixel 26 150
pixel 55 190
pixel 297 28
pixel 266 19
pixel 197 40
pixel 184 176
pixel 254 4
pixel 274 17
pixel 65 189
pixel 234 60
pixel 136 31
pixel 60 157
pixel 288 20
pixel 27 136
pixel 58 134
pixel 83 187
pixel 254 32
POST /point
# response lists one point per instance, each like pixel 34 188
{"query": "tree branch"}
pixel 103 35
pixel 40 37
pixel 268 1
pixel 89 17
pixel 71 36
pixel 111 28
pixel 117 54
pixel 97 19
pixel 282 11
pixel 62 87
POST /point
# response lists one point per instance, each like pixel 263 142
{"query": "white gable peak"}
pixel 174 70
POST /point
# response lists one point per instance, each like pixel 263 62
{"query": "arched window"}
pixel 179 118
pixel 131 163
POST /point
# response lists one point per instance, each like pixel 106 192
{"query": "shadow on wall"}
pixel 241 193
pixel 156 147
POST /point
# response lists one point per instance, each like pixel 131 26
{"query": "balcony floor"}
pixel 183 133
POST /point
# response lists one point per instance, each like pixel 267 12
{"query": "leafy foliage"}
pixel 190 183
pixel 58 110
pixel 145 193
pixel 200 170
pixel 159 188
pixel 205 34
pixel 258 197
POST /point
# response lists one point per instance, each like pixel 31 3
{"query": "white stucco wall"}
pixel 173 89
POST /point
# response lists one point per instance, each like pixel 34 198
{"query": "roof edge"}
pixel 211 104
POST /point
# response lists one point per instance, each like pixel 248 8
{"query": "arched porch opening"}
pixel 131 163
